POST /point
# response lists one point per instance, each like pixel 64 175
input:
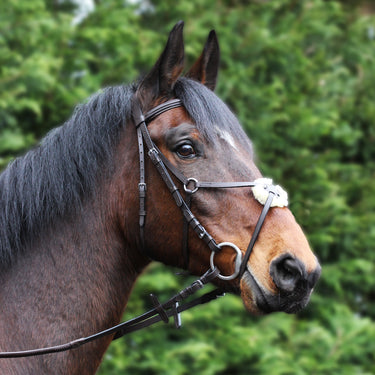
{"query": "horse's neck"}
pixel 74 282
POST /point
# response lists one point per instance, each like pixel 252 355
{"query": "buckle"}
pixel 154 155
pixel 142 186
pixel 194 188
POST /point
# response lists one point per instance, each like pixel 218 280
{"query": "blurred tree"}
pixel 300 76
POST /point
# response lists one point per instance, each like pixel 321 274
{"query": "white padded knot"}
pixel 261 192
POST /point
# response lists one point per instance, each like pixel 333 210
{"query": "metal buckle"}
pixel 237 263
pixel 142 186
pixel 154 155
pixel 194 183
pixel 202 231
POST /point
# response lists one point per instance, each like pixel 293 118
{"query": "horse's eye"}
pixel 186 151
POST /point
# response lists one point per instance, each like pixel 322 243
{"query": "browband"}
pixel 161 108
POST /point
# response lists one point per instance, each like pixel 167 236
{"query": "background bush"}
pixel 300 75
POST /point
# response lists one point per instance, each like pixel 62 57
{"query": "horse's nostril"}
pixel 314 276
pixel 286 272
pixel 291 268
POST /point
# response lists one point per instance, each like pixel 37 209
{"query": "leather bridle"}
pixel 171 308
pixel 191 186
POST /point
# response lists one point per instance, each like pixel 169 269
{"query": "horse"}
pixel 85 211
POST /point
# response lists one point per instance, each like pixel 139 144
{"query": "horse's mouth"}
pixel 259 301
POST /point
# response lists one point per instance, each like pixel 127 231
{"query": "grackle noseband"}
pixel 191 186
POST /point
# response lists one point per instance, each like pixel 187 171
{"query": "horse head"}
pixel 203 141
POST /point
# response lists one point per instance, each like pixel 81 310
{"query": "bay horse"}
pixel 86 211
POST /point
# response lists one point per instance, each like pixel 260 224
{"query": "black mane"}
pixel 53 179
pixel 55 176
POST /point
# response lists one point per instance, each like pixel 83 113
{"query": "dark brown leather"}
pixel 163 165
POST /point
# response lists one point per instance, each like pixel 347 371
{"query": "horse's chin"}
pixel 252 295
pixel 258 301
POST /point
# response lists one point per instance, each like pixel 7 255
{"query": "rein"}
pixel 172 308
pixel 161 312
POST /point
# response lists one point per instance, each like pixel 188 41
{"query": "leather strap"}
pixel 161 108
pixel 158 160
pixel 185 234
pixel 142 187
pixel 255 235
pixel 204 184
pixel 161 312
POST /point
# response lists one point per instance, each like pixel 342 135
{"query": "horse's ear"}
pixel 159 82
pixel 206 67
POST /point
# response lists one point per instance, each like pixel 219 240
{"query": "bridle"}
pixel 191 186
pixel 172 308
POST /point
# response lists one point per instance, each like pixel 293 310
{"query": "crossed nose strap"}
pixel 276 196
pixel 269 196
pixel 263 190
pixel 265 193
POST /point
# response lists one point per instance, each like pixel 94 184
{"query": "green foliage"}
pixel 301 77
pixel 223 339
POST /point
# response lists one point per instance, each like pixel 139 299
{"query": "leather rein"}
pixel 171 308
